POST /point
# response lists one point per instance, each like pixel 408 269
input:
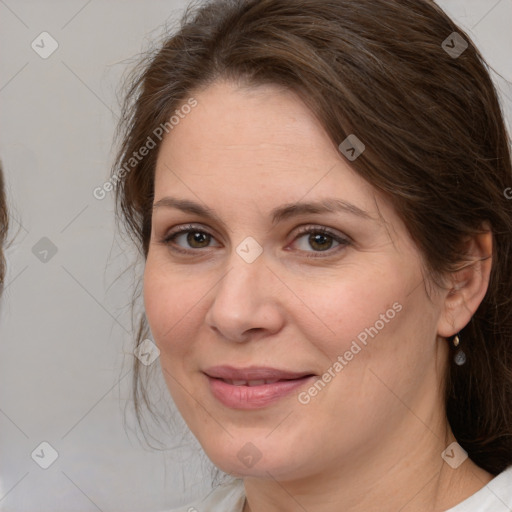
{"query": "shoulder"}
pixel 496 496
pixel 228 497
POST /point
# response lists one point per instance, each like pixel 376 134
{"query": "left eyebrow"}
pixel 325 206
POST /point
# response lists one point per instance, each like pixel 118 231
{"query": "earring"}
pixel 460 356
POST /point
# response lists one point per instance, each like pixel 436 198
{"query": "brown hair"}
pixel 4 227
pixel 436 146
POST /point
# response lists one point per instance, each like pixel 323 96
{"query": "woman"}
pixel 317 188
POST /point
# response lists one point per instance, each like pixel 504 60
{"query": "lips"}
pixel 253 387
pixel 250 382
pixel 253 373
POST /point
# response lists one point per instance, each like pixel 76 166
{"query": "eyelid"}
pixel 308 228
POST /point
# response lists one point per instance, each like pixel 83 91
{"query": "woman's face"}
pixel 269 285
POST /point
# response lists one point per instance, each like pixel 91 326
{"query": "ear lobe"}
pixel 468 285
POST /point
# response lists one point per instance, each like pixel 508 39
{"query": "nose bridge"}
pixel 247 263
pixel 243 298
pixel 245 271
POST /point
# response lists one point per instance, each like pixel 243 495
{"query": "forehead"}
pixel 266 121
pixel 261 136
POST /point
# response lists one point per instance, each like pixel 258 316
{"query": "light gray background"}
pixel 65 342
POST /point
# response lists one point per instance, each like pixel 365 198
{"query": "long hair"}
pixel 4 227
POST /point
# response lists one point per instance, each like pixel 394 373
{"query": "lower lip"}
pixel 254 397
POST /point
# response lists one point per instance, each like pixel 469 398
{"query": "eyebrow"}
pixel 283 212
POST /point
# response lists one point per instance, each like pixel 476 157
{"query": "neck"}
pixel 404 472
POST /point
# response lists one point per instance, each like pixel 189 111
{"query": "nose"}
pixel 245 304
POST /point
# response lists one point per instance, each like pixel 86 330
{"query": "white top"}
pixel 496 496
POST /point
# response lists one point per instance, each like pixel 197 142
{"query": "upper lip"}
pixel 253 373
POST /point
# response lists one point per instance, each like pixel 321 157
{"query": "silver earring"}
pixel 460 356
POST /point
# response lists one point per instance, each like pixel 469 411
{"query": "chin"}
pixel 244 459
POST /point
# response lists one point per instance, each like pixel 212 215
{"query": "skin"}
pixel 372 438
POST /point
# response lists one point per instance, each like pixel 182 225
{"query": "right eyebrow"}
pixel 187 206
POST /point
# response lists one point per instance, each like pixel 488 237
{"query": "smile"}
pixel 260 388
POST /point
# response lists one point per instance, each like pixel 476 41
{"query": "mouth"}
pixel 251 383
pixel 254 387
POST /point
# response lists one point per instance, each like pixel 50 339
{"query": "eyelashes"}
pixel 318 236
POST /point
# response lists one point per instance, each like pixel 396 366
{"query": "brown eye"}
pixel 188 238
pixel 197 237
pixel 320 240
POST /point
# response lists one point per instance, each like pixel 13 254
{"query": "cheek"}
pixel 383 338
pixel 373 337
pixel 169 304
pixel 359 307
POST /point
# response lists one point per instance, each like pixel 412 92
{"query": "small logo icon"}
pixel 351 147
pixel 454 45
pixel 249 249
pixel 44 455
pixel 249 455
pixel 44 45
pixel 147 352
pixel 44 250
pixel 454 455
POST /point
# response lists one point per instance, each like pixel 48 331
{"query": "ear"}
pixel 467 286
